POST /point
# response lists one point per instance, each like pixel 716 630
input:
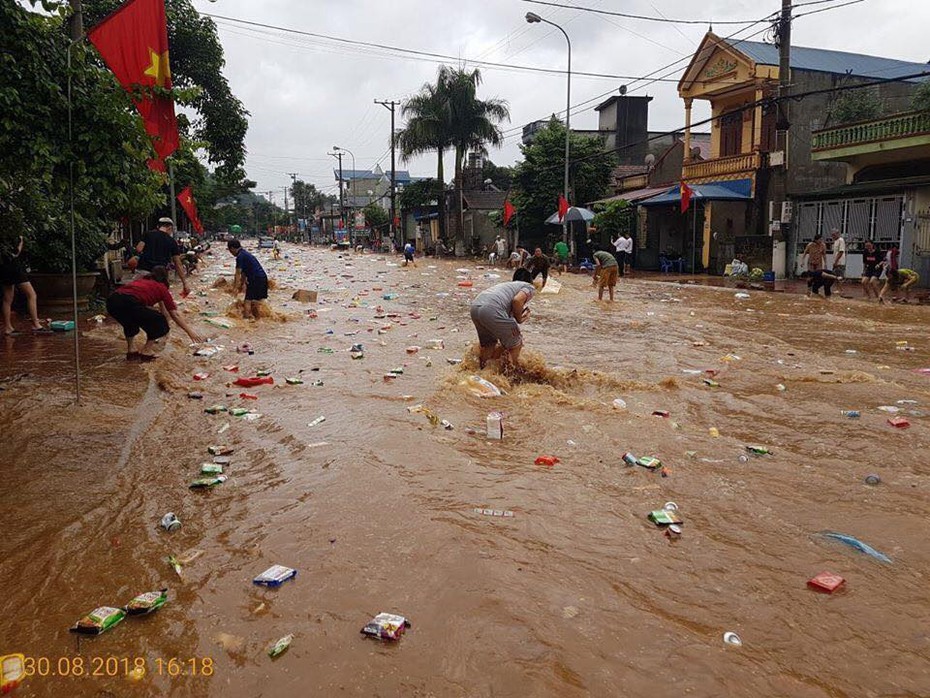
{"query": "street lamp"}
pixel 533 18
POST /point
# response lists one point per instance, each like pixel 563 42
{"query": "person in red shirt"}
pixel 132 306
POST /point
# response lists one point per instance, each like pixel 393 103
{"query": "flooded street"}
pixel 576 594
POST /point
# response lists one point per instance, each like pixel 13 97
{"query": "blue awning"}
pixel 735 190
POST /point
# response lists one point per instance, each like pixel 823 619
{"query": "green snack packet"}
pixel 98 621
pixel 280 647
pixel 215 409
pixel 263 373
pixel 665 517
pixel 205 482
pixel 238 411
pixel 649 462
pixel 759 450
pixel 293 381
pixel 148 602
pixel 211 469
pixel 173 561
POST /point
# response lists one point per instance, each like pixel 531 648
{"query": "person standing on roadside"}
pixel 605 273
pixel 497 313
pixel 561 255
pixel 871 269
pixel 501 249
pixel 815 253
pixel 13 276
pixel 158 248
pixel 624 246
pixel 251 274
pixel 839 254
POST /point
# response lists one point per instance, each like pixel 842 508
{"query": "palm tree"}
pixel 474 125
pixel 448 114
pixel 427 130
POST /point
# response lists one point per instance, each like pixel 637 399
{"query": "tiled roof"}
pixel 826 61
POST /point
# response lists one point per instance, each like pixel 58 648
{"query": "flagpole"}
pixel 74 298
pixel 174 206
pixel 693 238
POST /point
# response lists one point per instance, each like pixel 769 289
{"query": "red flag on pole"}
pixel 133 42
pixel 686 194
pixel 509 210
pixel 563 207
pixel 186 198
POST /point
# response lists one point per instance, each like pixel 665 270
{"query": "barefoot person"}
pixel 536 265
pixel 409 251
pixel 131 305
pixel 606 270
pixel 820 279
pixel 871 269
pixel 158 248
pixel 561 255
pixel 13 276
pixel 498 313
pixel 815 253
pixel 251 275
pixel 901 279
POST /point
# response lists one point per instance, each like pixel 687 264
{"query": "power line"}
pixel 824 9
pixel 646 18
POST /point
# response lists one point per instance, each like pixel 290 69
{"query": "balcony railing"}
pixel 719 167
pixel 890 128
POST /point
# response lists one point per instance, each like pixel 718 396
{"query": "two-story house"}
pixel 739 78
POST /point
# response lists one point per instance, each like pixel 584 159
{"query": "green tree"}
pixel 418 194
pixel 856 105
pixel 376 217
pixel 307 198
pixel 614 217
pixel 501 177
pixel 427 130
pixel 539 177
pixel 108 151
pixel 473 124
pixel 197 63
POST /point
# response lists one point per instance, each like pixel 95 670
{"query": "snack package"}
pixel 98 621
pixel 386 626
pixel 148 602
pixel 12 671
pixel 664 517
pixel 215 409
pixel 207 482
pixel 275 576
pixel 220 450
pixel 211 469
pixel 280 647
pixel 650 462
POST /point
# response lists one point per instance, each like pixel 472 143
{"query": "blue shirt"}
pixel 408 249
pixel 251 267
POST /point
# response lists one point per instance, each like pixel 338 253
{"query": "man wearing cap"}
pixel 158 248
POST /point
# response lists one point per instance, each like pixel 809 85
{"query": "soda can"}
pixel 629 459
pixel 673 532
pixel 170 522
pixel 873 479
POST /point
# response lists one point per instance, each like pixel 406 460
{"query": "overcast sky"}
pixel 306 95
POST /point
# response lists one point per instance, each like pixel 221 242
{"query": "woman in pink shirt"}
pixel 132 306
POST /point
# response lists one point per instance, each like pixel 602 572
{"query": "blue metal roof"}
pixel 736 190
pixel 838 62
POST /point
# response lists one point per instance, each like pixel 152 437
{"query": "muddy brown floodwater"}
pixel 577 594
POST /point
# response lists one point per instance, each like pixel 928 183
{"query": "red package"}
pixel 248 396
pixel 252 382
pixel 826 581
pixel 899 422
pixel 547 460
pixel 660 413
pixel 201 376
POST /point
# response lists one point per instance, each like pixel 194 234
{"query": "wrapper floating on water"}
pixel 275 576
pixel 148 602
pixel 386 626
pixel 205 482
pixel 211 469
pixel 481 387
pixel 98 621
pixel 220 450
pixel 665 517
pixel 280 647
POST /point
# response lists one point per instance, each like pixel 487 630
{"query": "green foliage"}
pixel 108 151
pixel 376 217
pixel 307 198
pixel 614 218
pixel 920 100
pixel 419 194
pixel 539 177
pixel 501 177
pixel 856 105
pixel 197 63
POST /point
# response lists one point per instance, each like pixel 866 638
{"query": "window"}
pixel 731 134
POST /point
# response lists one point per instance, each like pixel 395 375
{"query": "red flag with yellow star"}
pixel 133 42
pixel 186 197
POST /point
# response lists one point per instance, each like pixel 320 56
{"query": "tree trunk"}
pixel 459 227
pixel 441 196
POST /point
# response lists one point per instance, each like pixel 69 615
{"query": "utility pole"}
pixel 293 176
pixel 77 21
pixel 779 191
pixel 342 209
pixel 390 105
pixel 270 196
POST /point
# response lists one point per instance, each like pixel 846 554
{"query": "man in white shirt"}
pixel 624 246
pixel 839 254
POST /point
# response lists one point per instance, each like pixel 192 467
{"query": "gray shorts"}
pixel 494 327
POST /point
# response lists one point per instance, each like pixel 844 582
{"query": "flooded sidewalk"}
pixel 381 508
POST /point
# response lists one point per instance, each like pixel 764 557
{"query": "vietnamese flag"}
pixel 563 207
pixel 186 198
pixel 509 210
pixel 133 42
pixel 686 194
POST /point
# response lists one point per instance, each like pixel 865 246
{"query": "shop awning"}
pixel 736 190
pixel 632 196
